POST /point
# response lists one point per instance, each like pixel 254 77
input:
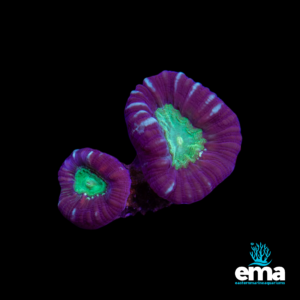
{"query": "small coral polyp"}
pixel 185 141
pixel 94 188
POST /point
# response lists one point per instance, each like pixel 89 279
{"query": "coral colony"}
pixel 187 141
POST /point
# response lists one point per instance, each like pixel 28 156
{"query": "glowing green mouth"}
pixel 185 141
pixel 89 183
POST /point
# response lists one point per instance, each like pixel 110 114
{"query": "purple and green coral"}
pixel 94 188
pixel 186 138
pixel 187 141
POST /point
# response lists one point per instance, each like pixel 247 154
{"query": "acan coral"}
pixel 94 188
pixel 187 139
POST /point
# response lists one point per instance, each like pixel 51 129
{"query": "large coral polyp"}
pixel 187 139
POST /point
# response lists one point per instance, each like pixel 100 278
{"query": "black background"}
pixel 85 83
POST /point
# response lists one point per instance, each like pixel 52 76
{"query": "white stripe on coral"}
pixel 149 84
pixel 170 188
pixel 139 112
pixel 74 153
pixel 135 104
pixel 211 97
pixel 193 89
pixel 135 92
pixel 88 156
pixel 140 128
pixel 177 78
pixel 215 109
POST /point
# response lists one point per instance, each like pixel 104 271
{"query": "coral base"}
pixel 142 198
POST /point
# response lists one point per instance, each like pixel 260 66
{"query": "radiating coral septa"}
pixel 88 192
pixel 198 129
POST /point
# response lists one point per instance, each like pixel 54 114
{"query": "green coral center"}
pixel 89 183
pixel 185 141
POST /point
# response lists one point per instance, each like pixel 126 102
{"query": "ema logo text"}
pixel 260 255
